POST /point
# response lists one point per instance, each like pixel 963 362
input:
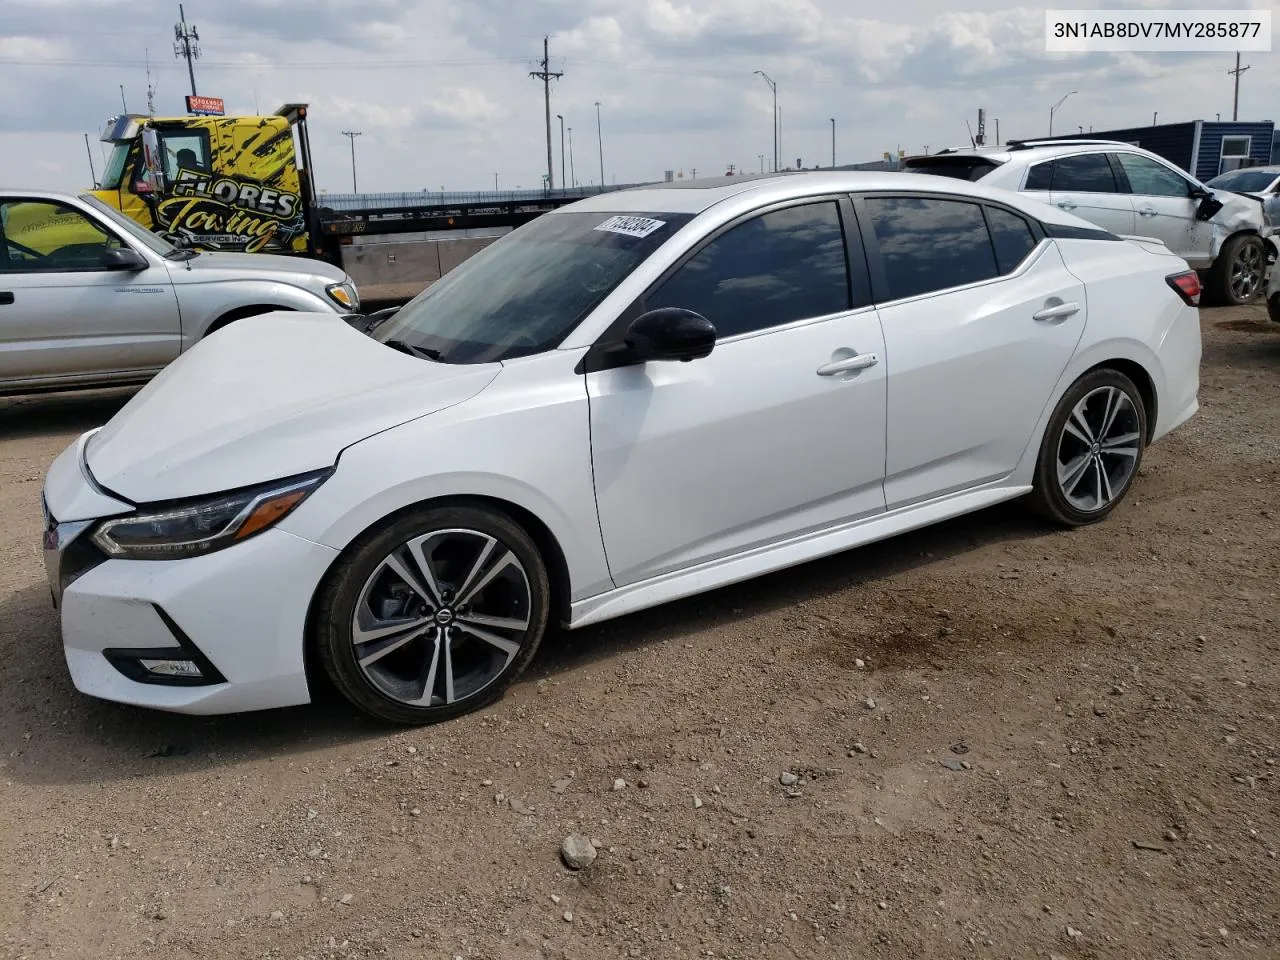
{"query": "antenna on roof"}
pixel 972 142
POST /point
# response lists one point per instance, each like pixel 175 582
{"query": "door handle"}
pixel 848 365
pixel 1055 313
pixel 1066 205
pixel 1146 212
pixel 6 296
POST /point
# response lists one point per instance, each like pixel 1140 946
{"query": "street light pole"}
pixel 833 143
pixel 351 135
pixel 563 182
pixel 774 87
pixel 600 144
pixel 1054 108
pixel 573 177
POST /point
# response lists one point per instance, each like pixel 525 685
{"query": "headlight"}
pixel 344 294
pixel 196 527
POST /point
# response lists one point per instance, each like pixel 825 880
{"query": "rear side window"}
pixel 1011 236
pixel 1084 173
pixel 930 244
pixel 1040 177
pixel 779 267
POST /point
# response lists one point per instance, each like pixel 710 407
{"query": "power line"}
pixel 546 76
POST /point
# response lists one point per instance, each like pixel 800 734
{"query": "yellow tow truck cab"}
pixel 237 184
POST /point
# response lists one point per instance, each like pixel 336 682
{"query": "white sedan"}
pixel 642 396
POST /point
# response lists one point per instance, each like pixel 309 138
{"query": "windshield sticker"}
pixel 631 226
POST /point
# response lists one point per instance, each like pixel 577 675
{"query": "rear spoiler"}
pixel 1151 244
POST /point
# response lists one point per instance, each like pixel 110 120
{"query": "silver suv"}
pixel 88 297
pixel 1130 192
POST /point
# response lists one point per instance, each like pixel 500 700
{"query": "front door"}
pixel 764 439
pixel 1164 207
pixel 980 319
pixel 63 315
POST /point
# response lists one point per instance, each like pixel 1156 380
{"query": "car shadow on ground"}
pixel 56 413
pixel 53 734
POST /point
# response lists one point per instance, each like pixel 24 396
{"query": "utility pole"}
pixel 1235 104
pixel 563 182
pixel 546 76
pixel 93 176
pixel 833 143
pixel 187 44
pixel 600 144
pixel 774 87
pixel 351 135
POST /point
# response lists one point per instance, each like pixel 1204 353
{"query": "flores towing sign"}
pixel 207 106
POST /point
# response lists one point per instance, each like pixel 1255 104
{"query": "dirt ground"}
pixel 1109 695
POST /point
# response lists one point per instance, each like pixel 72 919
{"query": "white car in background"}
pixel 1130 192
pixel 639 397
pixel 90 298
pixel 1261 183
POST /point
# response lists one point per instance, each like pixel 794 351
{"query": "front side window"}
pixel 43 236
pixel 931 244
pixel 773 269
pixel 1152 179
pixel 527 291
pixel 184 151
pixel 1083 173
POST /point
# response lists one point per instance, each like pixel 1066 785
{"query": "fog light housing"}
pixel 185 669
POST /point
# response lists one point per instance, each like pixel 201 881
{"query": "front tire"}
pixel 1092 449
pixel 434 614
pixel 1236 276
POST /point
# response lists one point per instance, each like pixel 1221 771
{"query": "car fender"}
pixel 1096 354
pixel 201 304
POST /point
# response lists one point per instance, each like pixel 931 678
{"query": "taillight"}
pixel 1187 285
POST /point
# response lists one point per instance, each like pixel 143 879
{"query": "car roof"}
pixel 1036 149
pixel 697 196
pixel 51 194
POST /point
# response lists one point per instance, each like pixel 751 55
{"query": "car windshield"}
pixel 1244 181
pixel 526 292
pixel 151 241
pixel 114 174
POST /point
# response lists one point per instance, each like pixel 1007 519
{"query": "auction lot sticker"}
pixel 631 226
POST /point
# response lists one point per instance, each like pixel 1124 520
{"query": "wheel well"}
pixel 557 573
pixel 239 313
pixel 1142 380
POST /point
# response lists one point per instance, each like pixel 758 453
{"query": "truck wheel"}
pixel 1236 276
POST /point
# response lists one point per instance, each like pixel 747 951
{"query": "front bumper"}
pixel 239 613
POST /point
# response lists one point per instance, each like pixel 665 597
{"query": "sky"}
pixel 441 93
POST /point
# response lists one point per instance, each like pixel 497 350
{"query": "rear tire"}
pixel 434 614
pixel 1091 451
pixel 1236 277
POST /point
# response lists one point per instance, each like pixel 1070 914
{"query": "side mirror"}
pixel 670 333
pixel 123 258
pixel 1197 192
pixel 1209 206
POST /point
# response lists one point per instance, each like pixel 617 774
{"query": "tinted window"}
pixel 184 151
pixel 772 269
pixel 928 244
pixel 1085 173
pixel 1040 177
pixel 962 168
pixel 1011 236
pixel 40 235
pixel 526 291
pixel 1152 179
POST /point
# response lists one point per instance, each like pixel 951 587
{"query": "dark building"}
pixel 1204 148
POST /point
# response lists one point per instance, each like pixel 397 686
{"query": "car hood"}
pixel 1239 211
pixel 220 266
pixel 255 402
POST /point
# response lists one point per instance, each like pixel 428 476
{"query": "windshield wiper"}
pixel 425 353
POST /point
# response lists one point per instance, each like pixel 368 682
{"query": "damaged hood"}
pixel 258 401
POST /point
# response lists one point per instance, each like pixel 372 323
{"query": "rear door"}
pixel 1085 184
pixel 980 318
pixel 1164 207
pixel 63 315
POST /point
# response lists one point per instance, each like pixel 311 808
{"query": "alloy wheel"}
pixel 441 617
pixel 1098 449
pixel 1246 271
